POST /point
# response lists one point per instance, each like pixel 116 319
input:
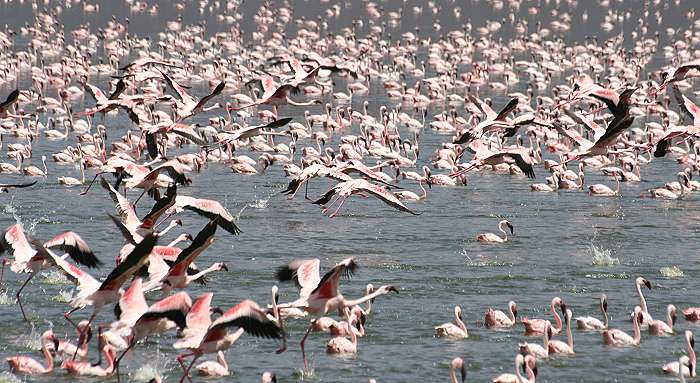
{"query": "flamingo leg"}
pixel 19 301
pixel 335 213
pixel 187 371
pixel 303 340
pixel 182 365
pixel 306 191
pixel 116 362
pixel 325 210
pixel 2 270
pixel 68 314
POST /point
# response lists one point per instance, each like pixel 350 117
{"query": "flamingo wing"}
pixel 188 132
pixel 15 242
pixel 328 286
pixel 83 280
pixel 11 99
pixel 161 206
pixel 132 302
pixel 173 308
pixel 5 186
pixel 483 107
pixel 210 209
pixel 608 96
pixel 178 89
pixel 118 90
pixel 123 229
pixel 386 196
pixel 124 207
pixel 304 272
pixel 96 93
pixel 219 88
pixel 510 107
pixel 133 262
pixel 201 242
pixel 76 248
pixel 248 316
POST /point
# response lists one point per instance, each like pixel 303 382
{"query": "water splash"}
pixel 156 366
pixel 6 298
pixel 54 277
pixel 602 257
pixel 63 296
pixel 260 204
pixel 671 272
pixel 31 341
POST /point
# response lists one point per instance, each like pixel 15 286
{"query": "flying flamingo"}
pixel 494 238
pixel 31 258
pixel 457 364
pixel 661 328
pixel 245 317
pixel 188 106
pixel 343 190
pixel 536 326
pixel 615 337
pixel 277 95
pixel 28 366
pixel 591 323
pixel 326 297
pixel 499 319
pixel 164 315
pixel 676 74
pixel 452 330
pixel 675 367
pixel 559 347
pixel 207 208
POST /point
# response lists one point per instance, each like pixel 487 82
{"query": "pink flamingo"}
pixel 246 317
pixel 692 314
pixel 559 347
pixel 536 350
pixel 675 367
pixel 591 323
pixel 494 238
pixel 219 367
pixel 528 362
pixel 645 316
pixel 452 330
pixel 457 364
pixel 87 368
pixel 498 319
pixel 326 297
pixel 536 326
pixel 661 328
pixel 29 366
pixel 619 338
pixel 342 345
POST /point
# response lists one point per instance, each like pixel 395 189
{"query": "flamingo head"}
pixel 458 364
pixel 513 308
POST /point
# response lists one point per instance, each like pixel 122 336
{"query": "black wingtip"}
pixel 284 273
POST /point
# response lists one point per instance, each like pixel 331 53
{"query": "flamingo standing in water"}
pixel 494 238
pixel 675 367
pixel 340 345
pixel 537 326
pixel 457 364
pixel 619 338
pixel 498 319
pixel 452 330
pixel 591 323
pixel 29 366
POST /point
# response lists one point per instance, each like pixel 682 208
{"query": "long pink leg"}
pixel 325 210
pixel 187 371
pixel 303 339
pixel 31 275
pixel 182 365
pixel 116 362
pixel 335 213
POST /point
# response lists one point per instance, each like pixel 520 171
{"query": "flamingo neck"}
pixel 49 358
pixel 693 358
pixel 569 335
pixel 453 375
pixel 518 363
pixel 605 315
pixel 557 318
pixel 637 330
pixel 461 324
pixel 505 235
pixel 512 314
pixel 110 360
pixel 642 301
pixel 364 299
pixel 222 361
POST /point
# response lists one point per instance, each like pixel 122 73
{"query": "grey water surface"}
pixel 433 258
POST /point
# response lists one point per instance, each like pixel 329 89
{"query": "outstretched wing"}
pixel 76 248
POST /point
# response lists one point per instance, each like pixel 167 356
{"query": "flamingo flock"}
pixel 190 100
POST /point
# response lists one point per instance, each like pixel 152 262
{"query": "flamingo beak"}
pixel 392 288
pixel 647 284
pixel 463 372
pixel 224 267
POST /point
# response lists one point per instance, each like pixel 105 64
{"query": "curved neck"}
pixel 642 301
pixel 569 335
pixel 605 315
pixel 637 331
pixel 352 333
pixel 350 303
pixel 222 360
pixel 512 314
pixel 110 360
pixel 557 318
pixel 505 235
pixel 49 358
pixel 460 323
pixel 517 370
pixel 693 358
pixel 425 192
pixel 453 375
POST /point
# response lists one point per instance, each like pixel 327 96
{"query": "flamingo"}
pixel 345 189
pixel 536 350
pixel 451 330
pixel 591 323
pixel 661 328
pixel 529 364
pixel 268 377
pixel 686 370
pixel 246 317
pixel 213 368
pixel 537 326
pixel 457 364
pixel 326 297
pixel 559 347
pixel 26 365
pixel 34 171
pixel 188 105
pixel 498 319
pixel 692 314
pixel 619 338
pixel 494 238
pixel 603 190
pixel 645 316
pixel 5 106
pixel 87 369
pixel 340 345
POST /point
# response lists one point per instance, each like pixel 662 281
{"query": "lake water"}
pixel 433 258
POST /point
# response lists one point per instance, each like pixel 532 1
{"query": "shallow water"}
pixel 566 244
